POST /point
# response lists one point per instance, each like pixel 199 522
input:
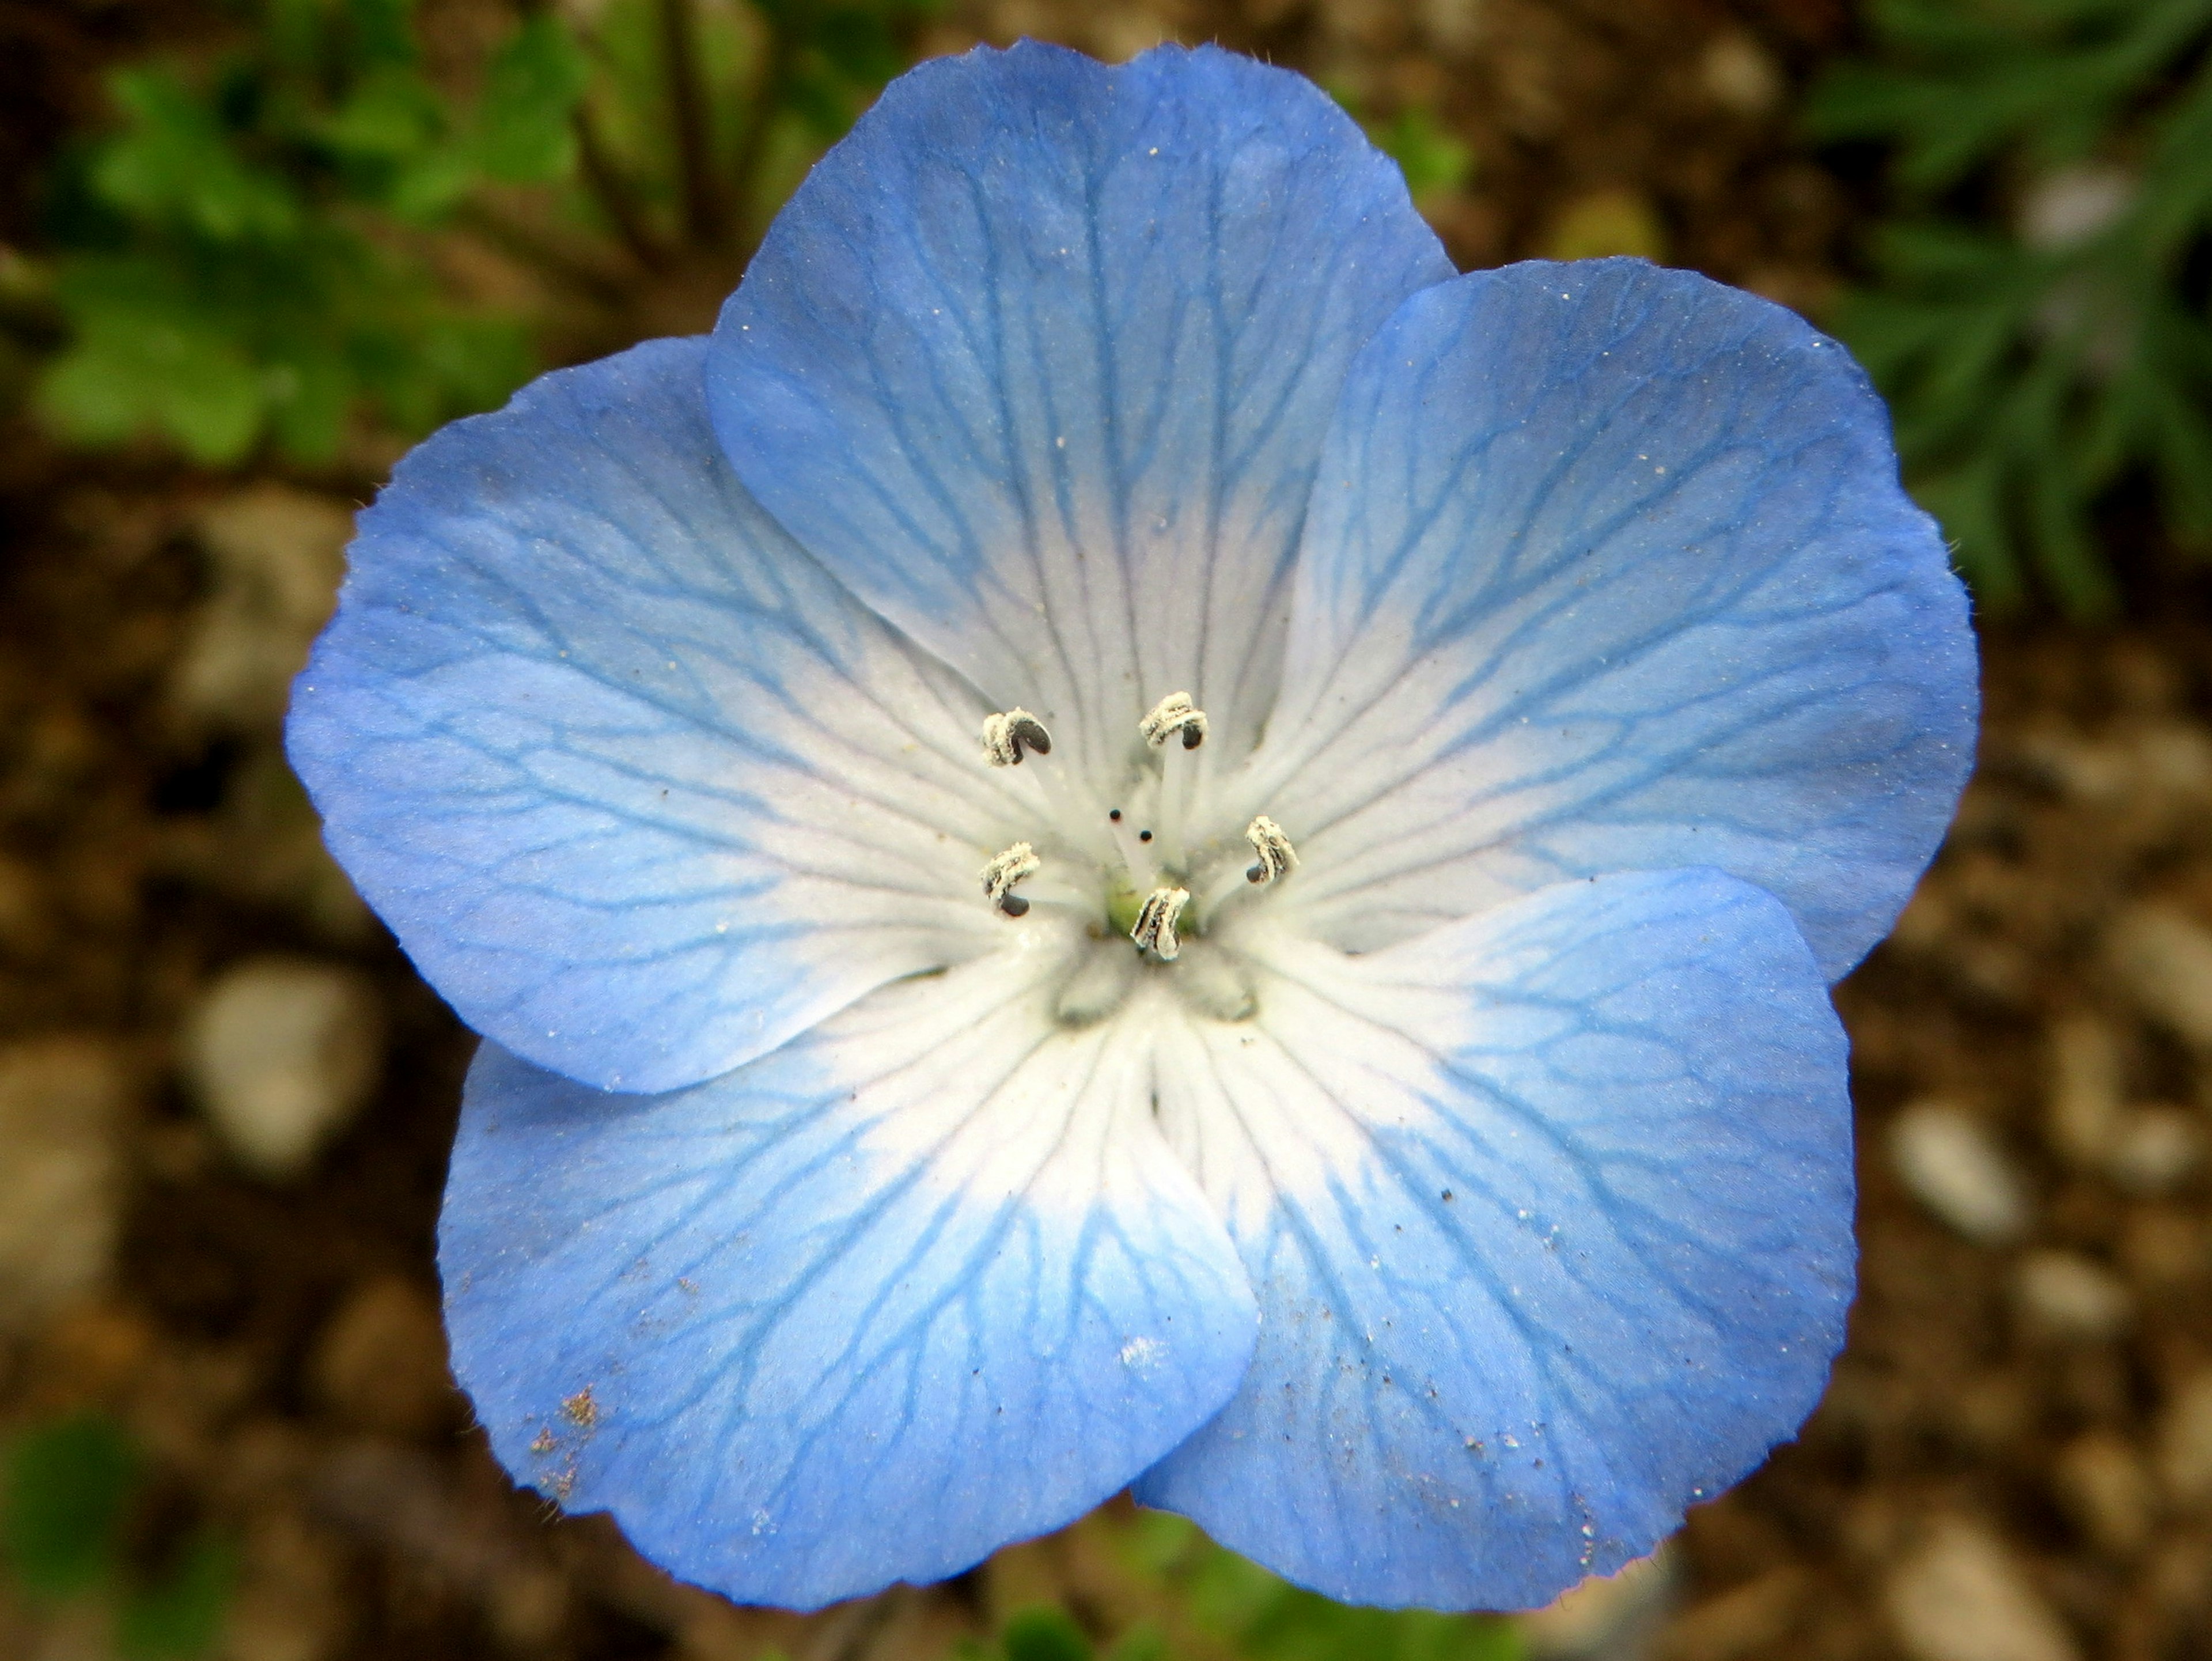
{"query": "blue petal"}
pixel 926 1281
pixel 641 790
pixel 1608 568
pixel 1549 1216
pixel 1039 359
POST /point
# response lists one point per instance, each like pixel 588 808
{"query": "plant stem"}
pixel 687 113
pixel 612 191
pixel 761 109
pixel 517 239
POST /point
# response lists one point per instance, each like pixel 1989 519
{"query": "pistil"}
pixel 1134 843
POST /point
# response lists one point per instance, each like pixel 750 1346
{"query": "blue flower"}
pixel 1128 837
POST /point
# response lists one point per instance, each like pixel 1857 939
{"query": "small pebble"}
pixel 1964 1597
pixel 2102 1484
pixel 2066 208
pixel 2088 1079
pixel 1612 220
pixel 282 1053
pixel 1740 1622
pixel 1607 1615
pixel 380 1362
pixel 2155 1149
pixel 276 556
pixel 2184 1442
pixel 1951 1165
pixel 2164 958
pixel 2068 1296
pixel 61 1102
pixel 1738 75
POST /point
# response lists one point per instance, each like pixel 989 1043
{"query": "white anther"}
pixel 1277 857
pixel 1154 930
pixel 1005 870
pixel 1006 735
pixel 1175 714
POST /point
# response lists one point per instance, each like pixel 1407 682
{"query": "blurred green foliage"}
pixel 252 255
pixel 1432 158
pixel 1262 1618
pixel 1205 1603
pixel 2041 317
pixel 72 1493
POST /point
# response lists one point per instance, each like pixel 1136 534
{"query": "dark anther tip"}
pixel 1255 873
pixel 1193 736
pixel 1115 814
pixel 1014 906
pixel 1144 836
pixel 1032 733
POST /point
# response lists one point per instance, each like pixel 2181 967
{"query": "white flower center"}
pixel 1150 906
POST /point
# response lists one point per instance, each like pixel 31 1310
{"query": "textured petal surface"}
pixel 1607 568
pixel 925 1281
pixel 641 790
pixel 1549 1216
pixel 1039 359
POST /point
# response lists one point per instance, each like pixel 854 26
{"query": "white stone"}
pixel 276 556
pixel 1610 1614
pixel 2164 958
pixel 2068 207
pixel 1950 1165
pixel 2154 1149
pixel 283 1052
pixel 2184 1442
pixel 2102 1483
pixel 1964 1597
pixel 2067 1295
pixel 61 1102
pixel 2086 1082
pixel 1738 75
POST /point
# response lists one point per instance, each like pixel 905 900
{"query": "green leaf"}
pixel 524 121
pixel 1433 160
pixel 145 358
pixel 382 31
pixel 177 1615
pixel 62 1493
pixel 393 116
pixel 1044 1634
pixel 174 164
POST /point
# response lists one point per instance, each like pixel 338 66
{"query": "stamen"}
pixel 1006 735
pixel 1175 714
pixel 1004 871
pixel 1155 928
pixel 1277 857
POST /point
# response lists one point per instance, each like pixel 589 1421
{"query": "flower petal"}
pixel 1607 568
pixel 1549 1216
pixel 1038 362
pixel 925 1281
pixel 641 790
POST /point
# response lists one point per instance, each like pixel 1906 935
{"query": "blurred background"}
pixel 250 249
